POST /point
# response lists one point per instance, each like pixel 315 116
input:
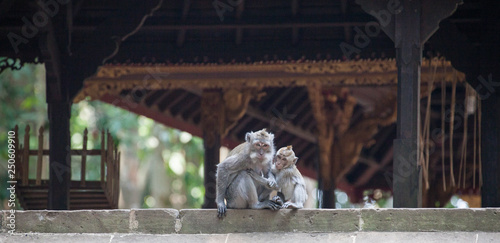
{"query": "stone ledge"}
pixel 205 221
pixel 286 220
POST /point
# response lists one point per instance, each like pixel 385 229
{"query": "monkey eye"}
pixel 265 145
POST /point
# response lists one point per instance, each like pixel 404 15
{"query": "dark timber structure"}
pixel 283 48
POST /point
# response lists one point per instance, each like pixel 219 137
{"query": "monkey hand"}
pixel 221 210
pixel 278 200
pixel 272 184
pixel 289 205
pixel 273 205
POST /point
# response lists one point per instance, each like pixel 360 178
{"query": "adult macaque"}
pixel 234 183
pixel 293 188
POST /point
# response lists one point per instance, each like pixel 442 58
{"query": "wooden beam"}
pixel 243 122
pixel 176 101
pixel 368 174
pixel 302 120
pixel 298 24
pixel 146 98
pixel 278 100
pixel 299 96
pixel 290 128
pixel 163 96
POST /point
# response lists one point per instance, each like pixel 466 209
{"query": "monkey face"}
pixel 285 158
pixel 280 162
pixel 260 148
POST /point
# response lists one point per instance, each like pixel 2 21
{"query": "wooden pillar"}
pixel 490 155
pixel 489 83
pixel 326 181
pixel 212 113
pixel 59 155
pixel 212 158
pixel 328 198
pixel 409 23
pixel 407 176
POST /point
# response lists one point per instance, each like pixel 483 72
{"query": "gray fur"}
pixel 235 185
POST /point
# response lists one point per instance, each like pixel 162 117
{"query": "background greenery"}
pixel 167 164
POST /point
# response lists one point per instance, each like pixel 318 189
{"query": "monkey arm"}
pixel 272 181
pixel 298 198
pixel 226 172
pixel 269 183
pixel 222 182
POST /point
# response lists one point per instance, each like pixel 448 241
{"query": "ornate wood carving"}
pixel 346 152
pixel 235 106
pixel 221 110
pixel 340 143
pixel 332 109
pixel 212 116
pixel 112 79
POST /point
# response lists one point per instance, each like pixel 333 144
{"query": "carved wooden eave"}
pixel 112 79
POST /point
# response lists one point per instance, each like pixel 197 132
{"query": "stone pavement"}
pixel 355 237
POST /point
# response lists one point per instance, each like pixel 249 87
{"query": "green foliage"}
pixel 22 101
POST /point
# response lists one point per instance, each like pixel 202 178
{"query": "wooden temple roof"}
pixel 194 32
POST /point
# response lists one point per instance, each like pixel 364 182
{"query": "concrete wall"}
pixel 198 221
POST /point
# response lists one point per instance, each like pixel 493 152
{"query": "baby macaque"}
pixel 291 183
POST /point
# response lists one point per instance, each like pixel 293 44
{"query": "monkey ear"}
pixel 248 136
pixel 295 160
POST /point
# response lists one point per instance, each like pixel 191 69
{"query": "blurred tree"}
pixel 161 166
pixel 22 102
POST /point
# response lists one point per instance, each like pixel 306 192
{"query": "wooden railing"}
pixel 109 169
